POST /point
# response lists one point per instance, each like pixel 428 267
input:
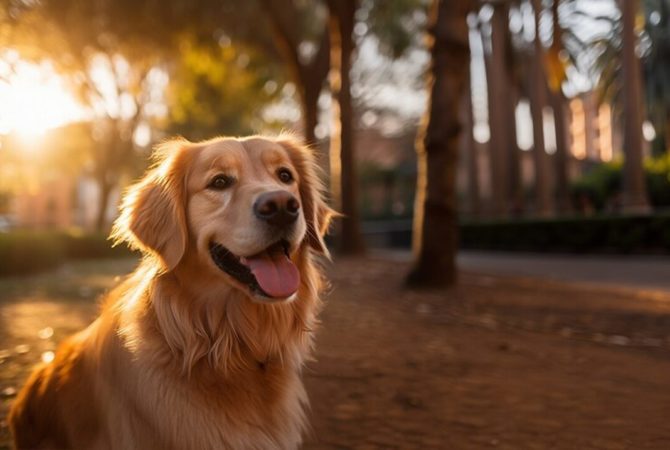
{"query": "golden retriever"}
pixel 202 346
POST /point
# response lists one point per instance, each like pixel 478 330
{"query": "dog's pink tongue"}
pixel 275 273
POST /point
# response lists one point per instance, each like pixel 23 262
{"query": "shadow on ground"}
pixel 494 363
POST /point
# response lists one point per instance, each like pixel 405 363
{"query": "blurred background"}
pixel 525 142
pixel 86 90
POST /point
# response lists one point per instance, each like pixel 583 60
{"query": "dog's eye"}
pixel 285 175
pixel 221 182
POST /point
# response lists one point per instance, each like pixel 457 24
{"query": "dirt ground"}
pixel 493 363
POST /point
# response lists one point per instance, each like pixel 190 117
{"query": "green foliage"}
pixel 602 185
pixel 603 234
pixel 657 172
pixel 219 89
pixel 25 252
pixel 395 23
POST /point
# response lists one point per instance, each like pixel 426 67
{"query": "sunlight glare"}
pixel 47 357
pixel 34 100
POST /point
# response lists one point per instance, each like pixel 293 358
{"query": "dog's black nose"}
pixel 279 208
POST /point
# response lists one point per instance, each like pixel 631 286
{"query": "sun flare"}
pixel 33 100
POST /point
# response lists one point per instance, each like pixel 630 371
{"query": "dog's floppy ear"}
pixel 153 216
pixel 317 213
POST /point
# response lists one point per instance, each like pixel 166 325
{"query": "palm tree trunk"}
pixel 557 99
pixel 471 153
pixel 634 190
pixel 344 181
pixel 498 108
pixel 563 203
pixel 538 101
pixel 515 188
pixel 435 220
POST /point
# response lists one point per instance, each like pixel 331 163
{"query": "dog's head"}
pixel 242 208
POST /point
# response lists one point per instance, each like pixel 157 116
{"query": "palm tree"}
pixel 655 62
pixel 538 101
pixel 503 67
pixel 556 75
pixel 435 219
pixel 657 71
pixel 634 190
pixel 499 119
pixel 471 154
pixel 344 182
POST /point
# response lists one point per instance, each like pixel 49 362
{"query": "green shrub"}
pixel 658 180
pixel 25 252
pixel 83 246
pixel 603 183
pixel 600 185
pixel 601 234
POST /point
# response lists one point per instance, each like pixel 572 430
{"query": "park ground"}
pixel 500 361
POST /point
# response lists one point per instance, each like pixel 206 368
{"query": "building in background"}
pixel 59 202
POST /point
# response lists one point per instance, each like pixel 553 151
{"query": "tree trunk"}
pixel 471 153
pixel 310 115
pixel 515 186
pixel 661 144
pixel 105 189
pixel 634 190
pixel 538 101
pixel 557 99
pixel 498 89
pixel 311 79
pixel 563 203
pixel 435 220
pixel 344 181
pixel 309 76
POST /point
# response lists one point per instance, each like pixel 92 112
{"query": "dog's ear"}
pixel 317 213
pixel 153 216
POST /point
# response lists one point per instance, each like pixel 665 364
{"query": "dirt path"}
pixel 494 363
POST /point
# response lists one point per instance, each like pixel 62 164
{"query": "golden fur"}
pixel 182 355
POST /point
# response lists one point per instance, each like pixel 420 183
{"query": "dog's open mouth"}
pixel 270 273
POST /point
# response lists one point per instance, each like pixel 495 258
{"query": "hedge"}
pixel 25 252
pixel 600 234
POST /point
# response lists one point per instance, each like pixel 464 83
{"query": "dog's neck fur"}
pixel 221 330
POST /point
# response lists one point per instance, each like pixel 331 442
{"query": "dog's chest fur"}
pixel 255 400
pixel 261 409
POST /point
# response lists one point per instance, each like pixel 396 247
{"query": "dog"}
pixel 202 346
